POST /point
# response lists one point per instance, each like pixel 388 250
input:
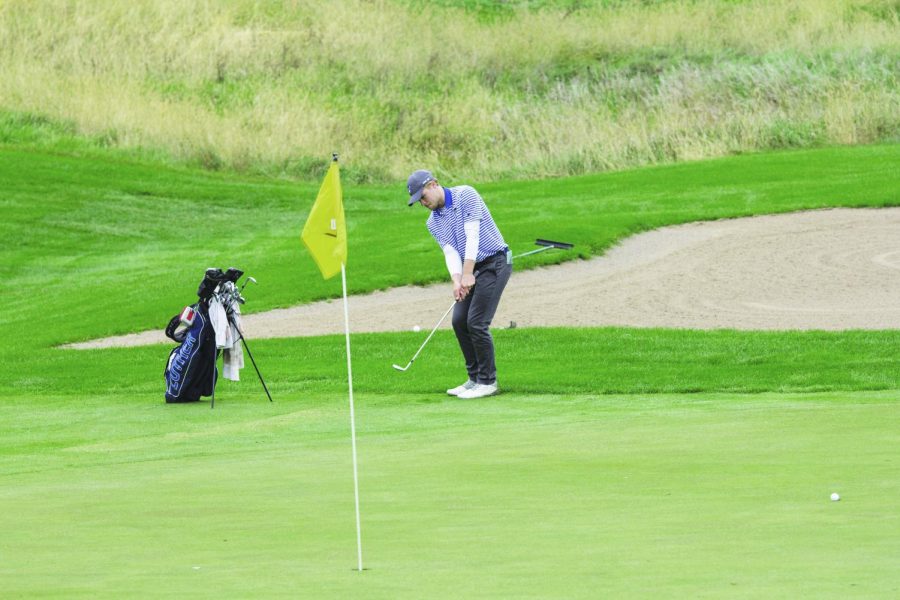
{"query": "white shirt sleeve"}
pixel 472 228
pixel 454 263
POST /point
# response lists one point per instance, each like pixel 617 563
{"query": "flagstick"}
pixel 352 419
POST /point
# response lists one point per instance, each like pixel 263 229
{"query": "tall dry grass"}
pixel 276 86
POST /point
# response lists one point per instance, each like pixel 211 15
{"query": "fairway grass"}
pixel 617 462
pixel 102 241
pixel 711 495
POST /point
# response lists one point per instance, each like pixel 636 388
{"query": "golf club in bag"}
pixel 191 369
pixel 545 245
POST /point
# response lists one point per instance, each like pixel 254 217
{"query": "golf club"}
pixel 246 281
pixel 409 364
pixel 547 245
pixel 229 295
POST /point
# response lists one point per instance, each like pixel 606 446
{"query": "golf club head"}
pixel 248 280
pixel 211 280
pixel 215 274
pixel 399 368
pixel 233 274
pixel 553 244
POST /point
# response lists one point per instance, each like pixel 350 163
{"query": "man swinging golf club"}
pixel 479 262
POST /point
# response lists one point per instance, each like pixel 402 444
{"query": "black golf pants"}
pixel 472 317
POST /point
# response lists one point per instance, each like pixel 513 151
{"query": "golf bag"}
pixel 201 330
pixel 191 369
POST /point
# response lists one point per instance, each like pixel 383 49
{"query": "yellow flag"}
pixel 325 232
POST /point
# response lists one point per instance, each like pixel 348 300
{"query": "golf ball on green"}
pixel 835 497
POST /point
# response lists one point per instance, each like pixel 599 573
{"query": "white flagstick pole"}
pixel 352 419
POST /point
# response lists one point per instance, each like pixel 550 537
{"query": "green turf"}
pixel 521 496
pixel 113 231
pixel 617 462
pixel 558 361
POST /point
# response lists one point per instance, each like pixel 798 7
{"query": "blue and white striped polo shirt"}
pixel 462 204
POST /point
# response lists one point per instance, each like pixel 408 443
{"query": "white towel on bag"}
pixel 233 355
pixel 228 338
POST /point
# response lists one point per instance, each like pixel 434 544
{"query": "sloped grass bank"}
pixel 100 245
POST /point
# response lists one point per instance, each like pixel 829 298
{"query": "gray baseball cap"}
pixel 416 184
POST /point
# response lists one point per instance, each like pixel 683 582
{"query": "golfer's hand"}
pixel 459 292
pixel 468 281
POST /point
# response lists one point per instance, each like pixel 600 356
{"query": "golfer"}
pixel 480 264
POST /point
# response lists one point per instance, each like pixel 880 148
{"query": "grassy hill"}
pixel 473 89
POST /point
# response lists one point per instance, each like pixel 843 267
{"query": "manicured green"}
pixel 522 496
pixel 617 462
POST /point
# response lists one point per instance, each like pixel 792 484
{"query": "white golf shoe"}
pixel 480 390
pixel 462 388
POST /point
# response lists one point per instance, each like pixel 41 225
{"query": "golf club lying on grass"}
pixel 409 364
pixel 545 245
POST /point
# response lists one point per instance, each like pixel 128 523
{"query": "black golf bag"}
pixel 191 369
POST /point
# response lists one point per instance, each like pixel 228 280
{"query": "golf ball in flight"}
pixel 416 328
pixel 835 497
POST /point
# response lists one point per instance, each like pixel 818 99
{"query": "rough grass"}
pixel 477 89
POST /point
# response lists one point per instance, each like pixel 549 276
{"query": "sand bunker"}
pixel 826 269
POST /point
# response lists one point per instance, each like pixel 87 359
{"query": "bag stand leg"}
pixel 258 374
pixel 212 403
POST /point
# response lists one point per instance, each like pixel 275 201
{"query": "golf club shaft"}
pixel 432 333
pixel 533 252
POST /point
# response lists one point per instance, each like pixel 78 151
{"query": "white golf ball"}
pixel 835 497
pixel 416 328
